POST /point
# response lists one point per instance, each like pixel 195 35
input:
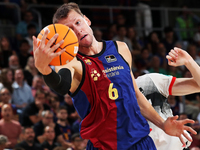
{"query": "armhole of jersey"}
pixel 83 78
pixel 119 53
pixel 171 85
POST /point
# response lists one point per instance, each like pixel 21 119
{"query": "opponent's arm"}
pixel 171 126
pixel 185 86
pixel 43 55
pixel 178 57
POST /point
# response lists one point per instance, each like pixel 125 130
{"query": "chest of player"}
pixel 100 69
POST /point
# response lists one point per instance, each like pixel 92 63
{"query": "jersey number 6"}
pixel 112 92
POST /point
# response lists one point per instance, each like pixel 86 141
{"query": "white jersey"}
pixel 156 88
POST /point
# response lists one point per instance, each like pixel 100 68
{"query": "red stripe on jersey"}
pixel 171 84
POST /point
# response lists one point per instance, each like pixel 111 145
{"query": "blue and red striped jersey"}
pixel 106 101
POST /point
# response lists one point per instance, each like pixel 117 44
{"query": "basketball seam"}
pixel 55 32
pixel 66 34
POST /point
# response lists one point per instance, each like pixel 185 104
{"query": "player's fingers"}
pixel 34 43
pixel 189 129
pixel 187 136
pixel 170 60
pixel 187 121
pixel 177 49
pixel 56 46
pixel 58 53
pixel 42 43
pixel 173 118
pixel 182 141
pixel 51 41
pixel 174 53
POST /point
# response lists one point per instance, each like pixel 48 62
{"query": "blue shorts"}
pixel 145 143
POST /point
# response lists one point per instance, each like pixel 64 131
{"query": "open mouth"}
pixel 83 37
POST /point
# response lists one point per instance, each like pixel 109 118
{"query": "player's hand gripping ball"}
pixel 70 43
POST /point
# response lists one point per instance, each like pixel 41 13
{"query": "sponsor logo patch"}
pixel 110 58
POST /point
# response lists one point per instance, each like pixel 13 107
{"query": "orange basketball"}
pixel 70 43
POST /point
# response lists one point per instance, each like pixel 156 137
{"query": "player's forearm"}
pixel 194 68
pixel 149 112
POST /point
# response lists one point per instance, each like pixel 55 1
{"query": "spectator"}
pixel 161 53
pixel 143 18
pixel 31 29
pixel 21 29
pixel 5 51
pixel 196 37
pixel 185 24
pixel 13 62
pixel 54 104
pixel 76 124
pixel 192 50
pixel 152 43
pixel 155 66
pixel 171 70
pixel 121 20
pixel 111 31
pixel 9 127
pixel 60 148
pixel 47 120
pixel 121 36
pixel 73 115
pixel 32 113
pixel 37 84
pixel 77 142
pixel 28 143
pixel 143 62
pixel 63 123
pixel 98 34
pixel 168 39
pixel 135 42
pixel 49 135
pixel 176 106
pixel 23 53
pixel 22 91
pixel 5 98
pixel 30 70
pixel 6 79
pixel 3 142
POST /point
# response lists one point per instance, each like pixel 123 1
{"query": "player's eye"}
pixel 78 22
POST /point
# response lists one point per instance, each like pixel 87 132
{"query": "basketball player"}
pixel 104 90
pixel 157 87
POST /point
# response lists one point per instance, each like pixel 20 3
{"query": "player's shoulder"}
pixel 121 44
pixel 157 77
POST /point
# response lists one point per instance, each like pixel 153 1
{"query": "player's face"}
pixel 81 26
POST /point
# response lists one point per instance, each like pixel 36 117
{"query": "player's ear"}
pixel 87 20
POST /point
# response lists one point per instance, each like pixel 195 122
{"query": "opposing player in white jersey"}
pixel 157 87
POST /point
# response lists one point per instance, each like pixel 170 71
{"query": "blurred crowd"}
pixel 35 117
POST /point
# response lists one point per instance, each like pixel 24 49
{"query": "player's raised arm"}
pixel 178 57
pixel 43 55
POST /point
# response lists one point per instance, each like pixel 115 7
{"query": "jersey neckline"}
pixel 96 55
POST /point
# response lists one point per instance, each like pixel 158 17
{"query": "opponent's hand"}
pixel 178 57
pixel 44 53
pixel 175 127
